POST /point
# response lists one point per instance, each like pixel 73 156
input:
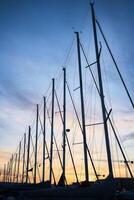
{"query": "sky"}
pixel 35 37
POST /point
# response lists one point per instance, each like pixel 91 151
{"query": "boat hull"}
pixel 98 191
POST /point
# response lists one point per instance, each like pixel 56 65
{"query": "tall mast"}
pixel 64 123
pixel 7 174
pixel 36 142
pixel 24 150
pixel 10 163
pixel 52 127
pixel 4 172
pixel 44 140
pixel 18 167
pixel 28 153
pixel 14 174
pixel 101 92
pixel 11 168
pixel 68 142
pixel 82 109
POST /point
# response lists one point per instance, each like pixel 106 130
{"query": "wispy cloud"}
pixel 129 136
pixel 3 124
pixel 15 95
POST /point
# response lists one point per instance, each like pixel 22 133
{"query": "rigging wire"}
pixel 67 140
pixel 82 131
pixel 37 165
pixel 115 63
pixel 110 103
pixel 66 59
pixel 111 121
pixel 47 150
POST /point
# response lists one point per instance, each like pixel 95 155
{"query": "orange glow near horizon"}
pixel 120 172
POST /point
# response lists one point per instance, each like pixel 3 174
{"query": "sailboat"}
pixel 100 189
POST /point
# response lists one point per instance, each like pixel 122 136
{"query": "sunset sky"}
pixel 35 37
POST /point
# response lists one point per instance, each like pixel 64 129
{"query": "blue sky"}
pixel 34 38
